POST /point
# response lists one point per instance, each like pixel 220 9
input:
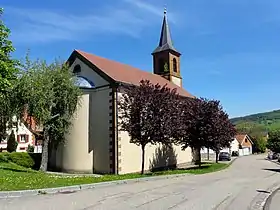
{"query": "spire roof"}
pixel 165 42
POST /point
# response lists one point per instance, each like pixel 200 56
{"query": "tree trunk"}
pixel 208 158
pixel 45 153
pixel 199 158
pixel 143 159
pixel 217 154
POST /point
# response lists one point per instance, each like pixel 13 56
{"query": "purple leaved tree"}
pixel 149 113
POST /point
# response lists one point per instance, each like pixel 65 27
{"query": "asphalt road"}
pixel 274 202
pixel 243 186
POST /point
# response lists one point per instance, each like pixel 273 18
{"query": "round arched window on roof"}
pixel 77 69
pixel 83 82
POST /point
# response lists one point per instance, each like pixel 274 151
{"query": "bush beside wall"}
pixel 37 157
pixel 22 159
pixel 28 160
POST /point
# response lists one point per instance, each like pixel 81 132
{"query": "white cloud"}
pixel 41 25
pixel 156 10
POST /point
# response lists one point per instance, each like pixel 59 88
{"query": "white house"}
pixel 241 144
pixel 23 136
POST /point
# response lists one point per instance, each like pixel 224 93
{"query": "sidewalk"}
pixel 273 203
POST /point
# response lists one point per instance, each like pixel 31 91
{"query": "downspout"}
pixel 115 128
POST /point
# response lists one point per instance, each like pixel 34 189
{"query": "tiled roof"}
pixel 240 137
pixel 127 74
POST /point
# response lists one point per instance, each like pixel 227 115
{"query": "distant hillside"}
pixel 271 120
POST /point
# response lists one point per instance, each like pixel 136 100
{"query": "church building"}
pixel 95 143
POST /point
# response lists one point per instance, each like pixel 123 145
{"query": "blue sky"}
pixel 230 49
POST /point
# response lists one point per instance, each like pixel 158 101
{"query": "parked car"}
pixel 224 156
pixel 273 156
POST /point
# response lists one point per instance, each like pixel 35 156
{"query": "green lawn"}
pixel 14 177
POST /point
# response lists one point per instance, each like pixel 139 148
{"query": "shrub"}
pixel 22 159
pixel 12 143
pixel 37 157
pixel 30 148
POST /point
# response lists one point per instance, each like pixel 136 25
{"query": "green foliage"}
pixel 268 120
pixel 7 64
pixel 12 143
pixel 8 77
pixel 30 148
pixel 50 96
pixel 3 157
pixel 22 159
pixel 260 145
pixel 273 142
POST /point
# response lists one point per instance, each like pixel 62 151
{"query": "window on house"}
pixel 246 140
pixel 174 65
pixel 22 138
pixel 77 69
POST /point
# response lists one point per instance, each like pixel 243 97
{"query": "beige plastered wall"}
pixel 86 146
pixel 130 155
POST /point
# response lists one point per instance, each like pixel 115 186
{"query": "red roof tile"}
pixel 128 74
pixel 240 137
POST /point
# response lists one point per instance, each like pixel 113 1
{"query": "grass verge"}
pixel 14 177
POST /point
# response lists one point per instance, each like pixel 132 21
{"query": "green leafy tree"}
pixel 260 145
pixel 48 93
pixel 12 143
pixel 273 142
pixel 8 76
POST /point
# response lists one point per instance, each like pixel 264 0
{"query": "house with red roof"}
pixel 95 143
pixel 245 144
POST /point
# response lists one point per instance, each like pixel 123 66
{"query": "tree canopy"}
pixel 8 76
pixel 148 113
pixel 47 92
pixel 273 142
pixel 205 124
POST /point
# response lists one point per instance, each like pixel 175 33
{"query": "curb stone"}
pixel 75 188
pixel 21 193
pixel 267 202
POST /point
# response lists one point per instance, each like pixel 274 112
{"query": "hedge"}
pixel 28 160
pixel 22 159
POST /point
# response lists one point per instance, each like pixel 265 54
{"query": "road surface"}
pixel 244 185
pixel 274 202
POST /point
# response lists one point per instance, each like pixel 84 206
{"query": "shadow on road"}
pixel 263 191
pixel 272 169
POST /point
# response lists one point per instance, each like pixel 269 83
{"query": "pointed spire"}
pixel 165 42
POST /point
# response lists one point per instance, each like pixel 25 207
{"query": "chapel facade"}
pixel 95 143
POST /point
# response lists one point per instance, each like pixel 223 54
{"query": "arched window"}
pixel 77 69
pixel 174 65
pixel 83 82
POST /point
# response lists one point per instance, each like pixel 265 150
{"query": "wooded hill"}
pixel 271 120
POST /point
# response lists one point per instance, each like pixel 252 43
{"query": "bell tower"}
pixel 166 59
